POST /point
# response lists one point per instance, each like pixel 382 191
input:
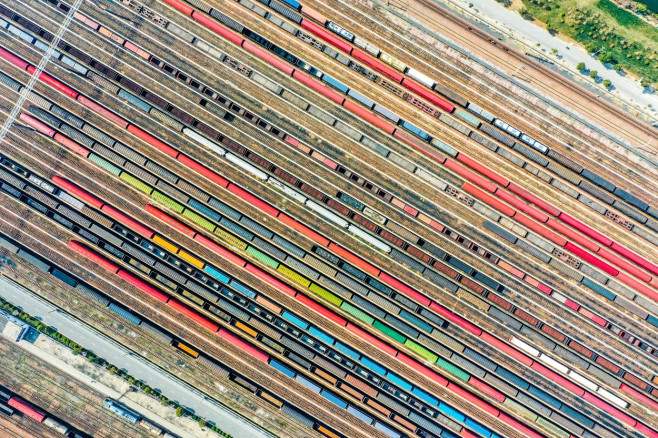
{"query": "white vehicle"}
pixel 507 128
pixel 246 166
pixel 327 214
pixel 370 239
pixel 204 141
pixel 423 79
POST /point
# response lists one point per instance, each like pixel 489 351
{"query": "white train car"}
pixel 56 425
pixel 511 130
pixel 246 166
pixel 204 141
pixel 420 77
pixel 370 239
pixel 327 214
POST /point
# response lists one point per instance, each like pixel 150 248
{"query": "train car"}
pixel 27 408
pixel 294 4
pixel 525 138
pixel 186 349
pixel 150 427
pixel 370 239
pixel 327 214
pixel 393 62
pixel 204 141
pixel 420 77
pixel 349 36
pixel 57 425
pixel 511 130
pixel 121 411
pixel 6 410
pixel 247 167
pixel 5 394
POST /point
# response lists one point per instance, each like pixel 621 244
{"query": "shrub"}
pixel 605 57
pixel 591 46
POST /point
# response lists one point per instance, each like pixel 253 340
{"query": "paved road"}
pixel 485 10
pixel 173 389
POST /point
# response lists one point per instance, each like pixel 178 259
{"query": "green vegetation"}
pixel 607 83
pixel 593 74
pixel 581 66
pixel 605 57
pixel 616 35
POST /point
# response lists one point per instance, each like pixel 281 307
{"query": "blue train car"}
pixel 121 411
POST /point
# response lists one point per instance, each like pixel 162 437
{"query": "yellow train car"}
pixel 190 259
pixel 166 245
pixel 326 432
pixel 184 348
pixel 270 398
pixel 393 62
pixel 248 330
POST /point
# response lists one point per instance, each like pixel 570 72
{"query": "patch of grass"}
pixel 623 17
pixel 601 26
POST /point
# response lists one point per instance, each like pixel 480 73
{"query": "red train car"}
pixel 27 409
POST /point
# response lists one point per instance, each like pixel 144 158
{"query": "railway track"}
pixel 133 208
pixel 511 51
pixel 564 138
pixel 47 396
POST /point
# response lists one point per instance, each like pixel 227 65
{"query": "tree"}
pixel 607 83
pixel 645 82
pixel 591 47
pixel 593 74
pixel 617 67
pixel 581 66
pixel 202 422
pixel 179 411
pixel 605 57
